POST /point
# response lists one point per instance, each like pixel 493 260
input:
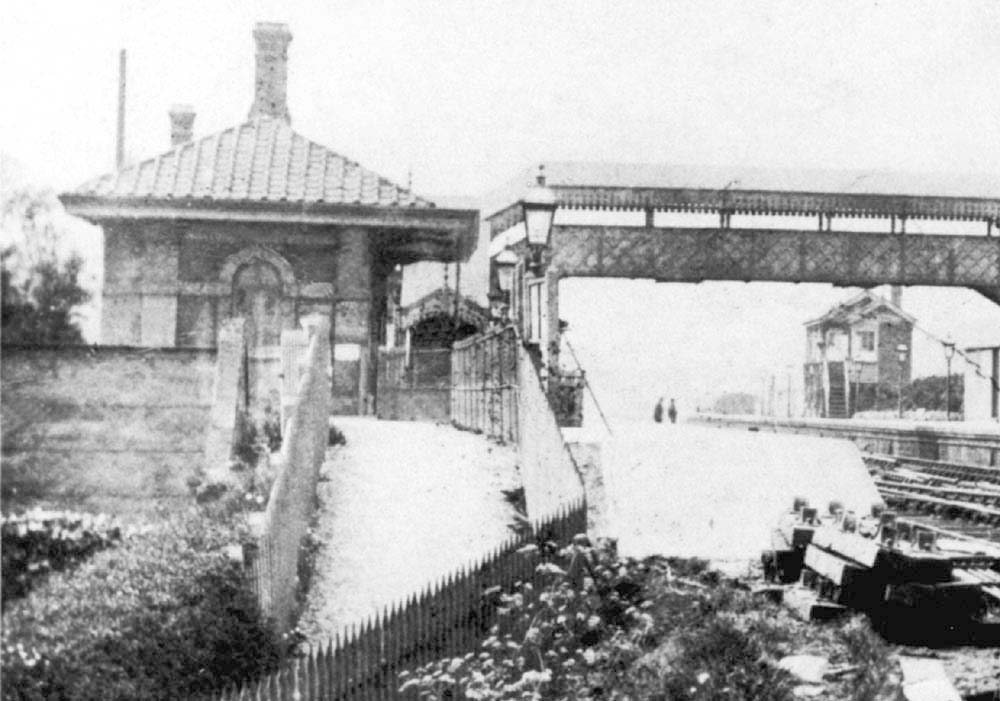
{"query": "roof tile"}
pixel 262 160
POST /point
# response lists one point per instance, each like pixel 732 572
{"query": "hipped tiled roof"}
pixel 261 161
pixel 860 306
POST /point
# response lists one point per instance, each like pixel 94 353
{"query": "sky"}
pixel 466 94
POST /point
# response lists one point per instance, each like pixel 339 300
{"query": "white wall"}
pixel 979 390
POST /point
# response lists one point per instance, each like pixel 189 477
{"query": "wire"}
pixel 569 346
pixel 969 361
pixel 958 352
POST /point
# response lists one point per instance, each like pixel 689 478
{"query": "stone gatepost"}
pixel 228 400
pixel 294 346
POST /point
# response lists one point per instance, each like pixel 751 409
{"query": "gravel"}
pixel 402 505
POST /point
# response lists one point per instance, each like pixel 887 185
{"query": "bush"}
pixel 336 437
pixel 39 542
pixel 166 615
pixel 272 430
pixel 249 443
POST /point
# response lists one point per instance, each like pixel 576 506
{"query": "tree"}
pixel 931 393
pixel 40 290
pixel 928 393
pixel 735 403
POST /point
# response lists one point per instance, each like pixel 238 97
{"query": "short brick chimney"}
pixel 181 124
pixel 270 98
pixel 896 295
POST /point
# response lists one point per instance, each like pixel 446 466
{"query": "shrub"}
pixel 38 542
pixel 166 615
pixel 272 430
pixel 249 443
pixel 336 437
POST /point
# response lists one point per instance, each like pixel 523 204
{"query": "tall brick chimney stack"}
pixel 271 71
pixel 896 295
pixel 181 124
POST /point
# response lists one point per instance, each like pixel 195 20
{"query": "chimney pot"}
pixel 271 70
pixel 181 124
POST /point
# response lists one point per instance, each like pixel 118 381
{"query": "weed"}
pixel 718 659
pixel 870 653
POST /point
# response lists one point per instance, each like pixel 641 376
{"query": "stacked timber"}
pixel 914 581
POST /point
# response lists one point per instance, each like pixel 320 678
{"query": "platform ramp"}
pixel 703 492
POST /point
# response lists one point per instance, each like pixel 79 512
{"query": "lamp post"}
pixel 539 208
pixel 503 279
pixel 902 349
pixel 949 353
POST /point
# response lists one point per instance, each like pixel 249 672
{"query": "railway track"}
pixel 957 493
pixel 910 500
pixel 961 472
pixel 951 490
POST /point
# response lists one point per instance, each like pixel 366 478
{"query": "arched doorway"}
pixel 257 295
pixel 262 289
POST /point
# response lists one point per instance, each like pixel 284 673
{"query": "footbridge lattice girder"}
pixel 844 258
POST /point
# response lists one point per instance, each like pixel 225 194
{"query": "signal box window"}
pixel 867 340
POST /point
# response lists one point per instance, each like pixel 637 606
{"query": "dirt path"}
pixel 401 505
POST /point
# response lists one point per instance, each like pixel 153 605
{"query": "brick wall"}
pixel 90 416
pixel 891 335
pixel 165 284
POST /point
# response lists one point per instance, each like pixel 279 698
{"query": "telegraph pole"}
pixel 120 136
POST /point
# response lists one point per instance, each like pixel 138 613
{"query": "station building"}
pixel 259 221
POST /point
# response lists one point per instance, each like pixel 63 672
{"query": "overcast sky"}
pixel 469 93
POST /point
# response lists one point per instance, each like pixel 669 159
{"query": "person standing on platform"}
pixel 658 411
pixel 672 412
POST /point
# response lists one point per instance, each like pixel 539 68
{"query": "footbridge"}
pixel 690 225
